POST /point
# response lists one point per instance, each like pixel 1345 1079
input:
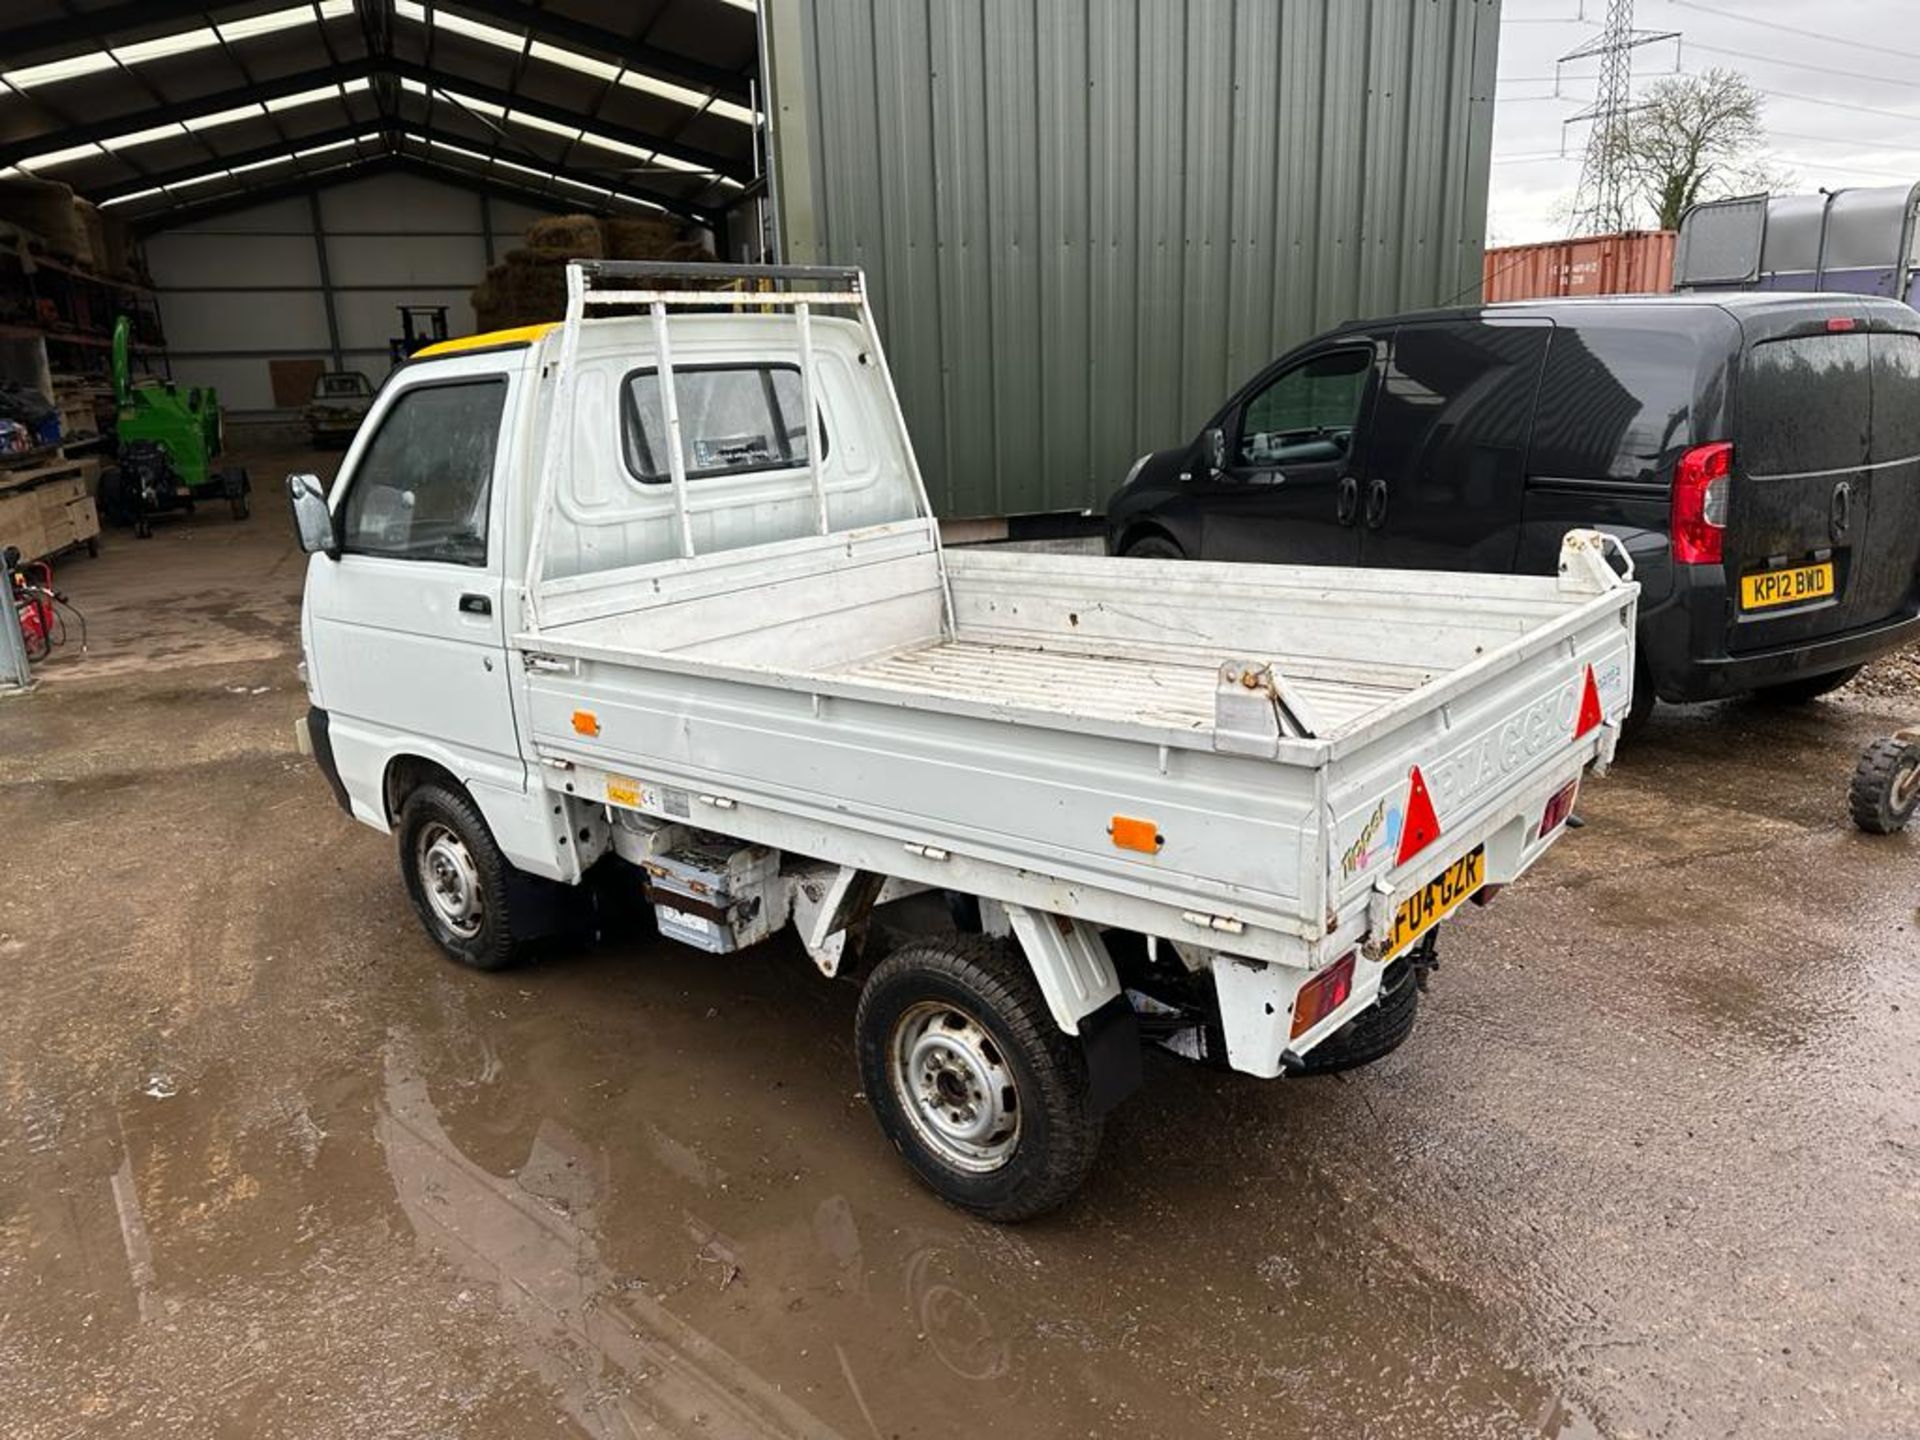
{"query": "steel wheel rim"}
pixel 955 1086
pixel 450 880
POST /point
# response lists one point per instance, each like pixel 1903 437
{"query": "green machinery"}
pixel 168 440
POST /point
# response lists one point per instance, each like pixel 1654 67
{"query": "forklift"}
pixel 167 441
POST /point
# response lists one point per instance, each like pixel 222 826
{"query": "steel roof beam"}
pixel 634 54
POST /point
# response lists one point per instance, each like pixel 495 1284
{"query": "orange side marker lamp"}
pixel 1131 834
pixel 585 722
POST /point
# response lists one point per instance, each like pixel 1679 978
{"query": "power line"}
pixel 1797 30
pixel 1796 64
pixel 1843 140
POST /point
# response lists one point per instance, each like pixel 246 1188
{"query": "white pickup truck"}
pixel 659 594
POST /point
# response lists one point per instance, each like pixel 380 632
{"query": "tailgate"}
pixel 1823 523
pixel 1458 796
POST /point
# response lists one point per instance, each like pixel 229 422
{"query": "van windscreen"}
pixel 1804 405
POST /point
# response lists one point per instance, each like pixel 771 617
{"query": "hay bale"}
pixel 44 207
pixel 92 249
pixel 116 240
pixel 578 237
pixel 630 238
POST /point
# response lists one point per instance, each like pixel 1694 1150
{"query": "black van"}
pixel 1758 453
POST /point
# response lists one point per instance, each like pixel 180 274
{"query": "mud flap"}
pixel 1110 1039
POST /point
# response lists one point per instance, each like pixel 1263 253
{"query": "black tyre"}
pixel 979 1090
pixel 457 878
pixel 1375 1032
pixel 1640 710
pixel 1799 692
pixel 1886 786
pixel 1153 547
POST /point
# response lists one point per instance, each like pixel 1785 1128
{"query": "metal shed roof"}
pixel 161 109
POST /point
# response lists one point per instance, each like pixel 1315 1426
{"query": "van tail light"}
pixel 1700 484
pixel 1559 807
pixel 1322 995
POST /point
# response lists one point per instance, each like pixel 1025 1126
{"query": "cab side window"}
pixel 1305 414
pixel 421 489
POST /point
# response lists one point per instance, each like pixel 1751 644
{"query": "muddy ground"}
pixel 270 1167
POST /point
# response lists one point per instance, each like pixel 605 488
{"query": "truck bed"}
pixel 979 720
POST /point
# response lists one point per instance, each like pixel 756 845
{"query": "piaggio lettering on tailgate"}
pixel 1457 778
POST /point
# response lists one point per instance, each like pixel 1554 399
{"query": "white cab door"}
pixel 408 638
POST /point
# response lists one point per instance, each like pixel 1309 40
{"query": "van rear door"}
pixel 1823 529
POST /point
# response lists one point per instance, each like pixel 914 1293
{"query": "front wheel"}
pixel 457 878
pixel 1886 786
pixel 981 1093
pixel 1153 547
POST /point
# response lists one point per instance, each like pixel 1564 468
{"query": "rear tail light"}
pixel 1322 995
pixel 1558 808
pixel 1700 484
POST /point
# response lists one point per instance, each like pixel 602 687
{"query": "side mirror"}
pixel 1215 444
pixel 312 521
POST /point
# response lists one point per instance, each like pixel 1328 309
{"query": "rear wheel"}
pixel 1886 786
pixel 1640 709
pixel 1153 547
pixel 1799 692
pixel 981 1093
pixel 457 878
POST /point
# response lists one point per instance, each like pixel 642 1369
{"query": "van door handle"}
pixel 471 604
pixel 1348 508
pixel 1376 504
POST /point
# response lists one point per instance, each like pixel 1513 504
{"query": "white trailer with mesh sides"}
pixel 653 601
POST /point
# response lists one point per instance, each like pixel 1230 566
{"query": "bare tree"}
pixel 1695 137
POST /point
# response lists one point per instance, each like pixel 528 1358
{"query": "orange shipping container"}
pixel 1636 262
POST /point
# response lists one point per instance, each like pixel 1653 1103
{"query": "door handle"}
pixel 471 604
pixel 1348 506
pixel 1376 504
pixel 1840 511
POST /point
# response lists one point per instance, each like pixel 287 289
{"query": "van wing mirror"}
pixel 1215 446
pixel 312 520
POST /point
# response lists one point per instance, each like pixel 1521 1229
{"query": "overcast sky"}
pixel 1840 80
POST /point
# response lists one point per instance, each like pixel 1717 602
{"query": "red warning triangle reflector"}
pixel 1421 827
pixel 1590 712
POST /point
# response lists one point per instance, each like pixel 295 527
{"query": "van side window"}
pixel 421 489
pixel 734 419
pixel 1616 402
pixel 1305 414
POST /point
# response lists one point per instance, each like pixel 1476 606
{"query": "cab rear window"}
pixel 733 419
pixel 1805 405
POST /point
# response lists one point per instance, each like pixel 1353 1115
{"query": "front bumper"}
pixel 312 738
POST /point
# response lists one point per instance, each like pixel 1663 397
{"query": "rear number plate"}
pixel 1438 898
pixel 1791 586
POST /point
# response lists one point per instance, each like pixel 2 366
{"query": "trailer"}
pixel 659 595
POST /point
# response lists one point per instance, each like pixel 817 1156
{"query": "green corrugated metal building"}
pixel 1085 221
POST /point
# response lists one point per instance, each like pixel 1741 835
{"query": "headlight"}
pixel 1136 469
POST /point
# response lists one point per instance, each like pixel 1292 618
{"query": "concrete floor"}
pixel 270 1167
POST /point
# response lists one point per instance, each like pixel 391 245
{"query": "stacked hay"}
pixel 46 208
pixel 93 234
pixel 530 284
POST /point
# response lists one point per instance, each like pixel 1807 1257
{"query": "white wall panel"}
pixel 399 204
pixel 185 259
pixel 406 260
pixel 215 321
pixel 289 214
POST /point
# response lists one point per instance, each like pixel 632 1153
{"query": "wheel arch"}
pixel 1142 529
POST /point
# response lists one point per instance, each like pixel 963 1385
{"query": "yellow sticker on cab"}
pixel 622 791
